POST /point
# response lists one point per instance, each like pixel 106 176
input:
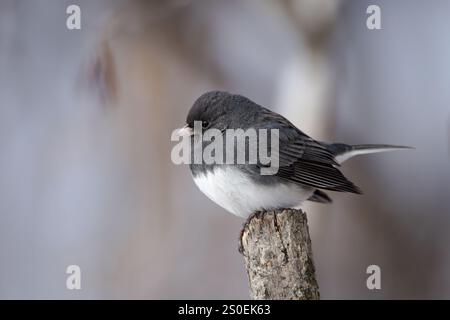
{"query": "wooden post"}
pixel 278 256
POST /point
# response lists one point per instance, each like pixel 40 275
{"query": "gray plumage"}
pixel 303 161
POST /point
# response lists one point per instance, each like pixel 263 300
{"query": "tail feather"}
pixel 343 152
pixel 320 196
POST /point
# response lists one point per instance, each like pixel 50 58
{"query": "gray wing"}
pixel 303 160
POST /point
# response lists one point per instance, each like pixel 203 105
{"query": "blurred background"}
pixel 85 123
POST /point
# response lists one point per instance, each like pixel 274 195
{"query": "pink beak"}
pixel 186 131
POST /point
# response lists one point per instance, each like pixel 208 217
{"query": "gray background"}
pixel 86 118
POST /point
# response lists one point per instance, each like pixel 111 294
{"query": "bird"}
pixel 307 168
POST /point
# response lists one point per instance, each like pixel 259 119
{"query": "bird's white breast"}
pixel 236 192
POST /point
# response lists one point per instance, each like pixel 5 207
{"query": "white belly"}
pixel 235 192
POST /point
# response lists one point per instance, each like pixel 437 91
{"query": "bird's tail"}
pixel 342 152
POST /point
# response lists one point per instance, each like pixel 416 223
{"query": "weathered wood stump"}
pixel 278 256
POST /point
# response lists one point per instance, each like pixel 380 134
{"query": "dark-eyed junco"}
pixel 305 167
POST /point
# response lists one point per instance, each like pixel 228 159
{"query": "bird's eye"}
pixel 205 124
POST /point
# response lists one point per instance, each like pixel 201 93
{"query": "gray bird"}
pixel 306 167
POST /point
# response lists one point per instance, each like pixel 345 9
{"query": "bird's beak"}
pixel 186 131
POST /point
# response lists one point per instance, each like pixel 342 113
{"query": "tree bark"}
pixel 278 256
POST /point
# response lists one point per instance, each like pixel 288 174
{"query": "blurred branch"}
pixel 98 75
pixel 278 256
